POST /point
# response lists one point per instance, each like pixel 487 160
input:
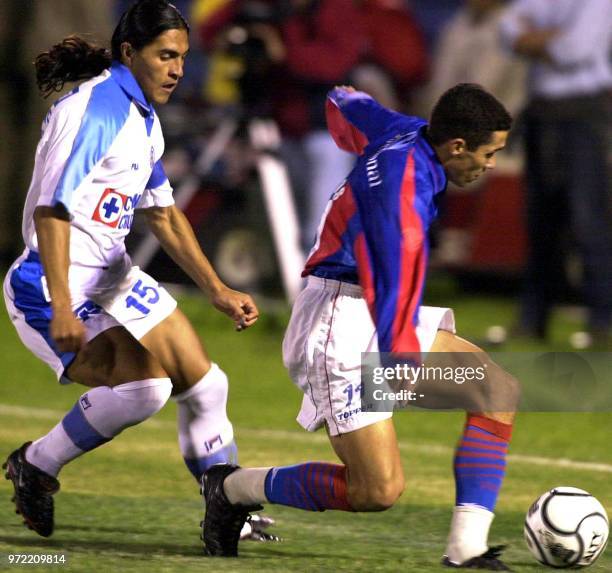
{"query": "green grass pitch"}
pixel 132 506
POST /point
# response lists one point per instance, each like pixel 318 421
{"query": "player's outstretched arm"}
pixel 355 120
pixel 53 234
pixel 177 238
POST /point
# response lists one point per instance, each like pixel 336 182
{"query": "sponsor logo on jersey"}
pixel 116 210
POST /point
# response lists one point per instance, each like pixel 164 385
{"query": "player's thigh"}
pixel 449 342
pixel 497 395
pixel 149 312
pixel 110 355
pixel 175 343
pixel 371 455
pixel 113 357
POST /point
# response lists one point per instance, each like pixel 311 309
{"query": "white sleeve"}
pixel 158 192
pixel 579 40
pixel 512 24
pixel 54 153
pixel 79 133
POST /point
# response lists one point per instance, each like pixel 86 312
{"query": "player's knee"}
pixel 216 387
pixel 208 394
pixel 377 497
pixel 157 393
pixel 503 392
pixel 512 388
pixel 144 398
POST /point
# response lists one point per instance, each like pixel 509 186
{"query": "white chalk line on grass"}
pixel 56 415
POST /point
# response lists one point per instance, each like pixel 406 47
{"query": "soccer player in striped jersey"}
pixel 365 277
pixel 75 298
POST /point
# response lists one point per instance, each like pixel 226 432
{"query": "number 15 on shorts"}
pixel 143 298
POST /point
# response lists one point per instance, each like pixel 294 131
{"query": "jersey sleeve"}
pixel 391 256
pixel 76 138
pixel 56 155
pixel 355 120
pixel 158 192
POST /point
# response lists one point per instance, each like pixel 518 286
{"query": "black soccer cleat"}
pixel 33 491
pixel 488 561
pixel 223 520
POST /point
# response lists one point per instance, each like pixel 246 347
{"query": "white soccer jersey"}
pixel 99 156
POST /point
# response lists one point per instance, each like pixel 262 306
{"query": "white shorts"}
pixel 101 299
pixel 330 327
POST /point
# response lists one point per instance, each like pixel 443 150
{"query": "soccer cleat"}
pixel 489 561
pixel 33 491
pixel 254 529
pixel 223 520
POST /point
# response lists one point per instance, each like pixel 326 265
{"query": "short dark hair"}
pixel 470 112
pixel 143 22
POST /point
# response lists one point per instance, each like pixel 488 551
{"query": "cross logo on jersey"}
pixel 110 208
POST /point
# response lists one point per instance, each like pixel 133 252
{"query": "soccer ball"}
pixel 566 527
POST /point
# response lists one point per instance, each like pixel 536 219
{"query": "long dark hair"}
pixel 71 60
pixel 75 58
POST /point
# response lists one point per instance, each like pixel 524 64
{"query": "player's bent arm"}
pixel 177 238
pixel 53 234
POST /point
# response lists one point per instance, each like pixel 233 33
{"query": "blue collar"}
pixel 441 181
pixel 124 77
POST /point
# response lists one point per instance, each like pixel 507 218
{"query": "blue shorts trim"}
pixel 26 282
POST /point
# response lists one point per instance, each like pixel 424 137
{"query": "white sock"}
pixel 205 433
pixel 98 416
pixel 52 451
pixel 246 486
pixel 469 532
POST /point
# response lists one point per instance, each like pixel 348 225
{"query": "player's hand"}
pixel 67 332
pixel 239 306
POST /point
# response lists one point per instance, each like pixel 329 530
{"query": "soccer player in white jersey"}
pixel 74 297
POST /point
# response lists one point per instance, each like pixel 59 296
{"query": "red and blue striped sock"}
pixel 315 486
pixel 480 461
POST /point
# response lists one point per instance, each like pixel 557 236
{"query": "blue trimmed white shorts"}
pixel 330 327
pixel 102 298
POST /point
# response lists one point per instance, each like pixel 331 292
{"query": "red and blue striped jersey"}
pixel 374 229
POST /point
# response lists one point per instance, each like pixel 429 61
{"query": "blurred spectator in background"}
pixel 432 16
pixel 244 45
pixel 567 45
pixel 324 41
pixel 26 28
pixel 279 58
pixel 395 60
pixel 469 50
